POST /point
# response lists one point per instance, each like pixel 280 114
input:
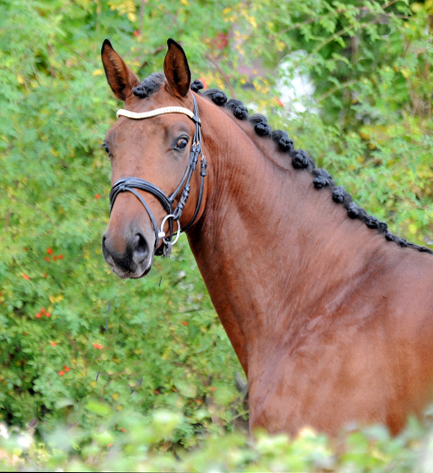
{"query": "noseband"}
pixel 129 184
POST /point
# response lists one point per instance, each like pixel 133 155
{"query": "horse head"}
pixel 154 147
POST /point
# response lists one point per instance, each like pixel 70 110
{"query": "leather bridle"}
pixel 129 184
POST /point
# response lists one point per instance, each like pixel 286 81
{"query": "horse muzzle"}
pixel 134 260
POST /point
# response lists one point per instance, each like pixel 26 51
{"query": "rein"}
pixel 129 184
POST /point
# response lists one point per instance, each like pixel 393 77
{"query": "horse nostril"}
pixel 140 249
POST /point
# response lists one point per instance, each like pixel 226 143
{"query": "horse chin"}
pixel 145 272
pixel 140 272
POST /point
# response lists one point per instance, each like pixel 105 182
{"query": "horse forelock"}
pixel 301 161
pixel 149 86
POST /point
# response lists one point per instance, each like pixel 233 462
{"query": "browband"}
pixel 156 112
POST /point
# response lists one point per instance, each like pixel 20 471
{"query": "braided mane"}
pixel 299 158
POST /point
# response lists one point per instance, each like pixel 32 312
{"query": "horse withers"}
pixel 330 315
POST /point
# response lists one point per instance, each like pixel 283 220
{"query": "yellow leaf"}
pixel 20 79
pixel 185 2
pixel 413 229
pixel 115 396
pixel 97 72
pixel 131 17
pixel 227 10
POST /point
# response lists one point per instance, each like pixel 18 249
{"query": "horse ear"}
pixel 176 69
pixel 119 76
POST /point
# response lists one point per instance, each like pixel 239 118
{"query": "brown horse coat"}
pixel 331 322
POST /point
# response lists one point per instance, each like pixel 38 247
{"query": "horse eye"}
pixel 182 143
pixel 105 146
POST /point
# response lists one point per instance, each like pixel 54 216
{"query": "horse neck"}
pixel 269 245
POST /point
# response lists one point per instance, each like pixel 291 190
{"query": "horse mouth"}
pixel 138 273
pixel 128 275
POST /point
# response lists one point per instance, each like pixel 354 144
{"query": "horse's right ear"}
pixel 119 76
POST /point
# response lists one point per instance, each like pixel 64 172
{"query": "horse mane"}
pixel 299 158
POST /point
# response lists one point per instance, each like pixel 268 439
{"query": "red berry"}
pixel 97 196
pixel 49 251
pixel 47 314
pixel 184 323
pixel 61 373
pixel 53 344
pixel 26 277
pixel 136 33
pixel 60 257
pixel 97 345
pixel 38 315
pixel 66 368
pixel 46 258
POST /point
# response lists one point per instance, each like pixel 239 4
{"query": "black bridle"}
pixel 129 184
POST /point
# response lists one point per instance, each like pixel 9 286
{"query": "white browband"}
pixel 154 113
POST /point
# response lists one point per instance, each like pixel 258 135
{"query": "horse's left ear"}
pixel 176 69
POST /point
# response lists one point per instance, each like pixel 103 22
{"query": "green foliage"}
pixel 132 442
pixel 162 342
pixel 162 361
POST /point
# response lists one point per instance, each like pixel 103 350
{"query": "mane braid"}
pixel 149 86
pixel 300 160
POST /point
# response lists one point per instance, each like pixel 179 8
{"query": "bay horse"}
pixel 330 314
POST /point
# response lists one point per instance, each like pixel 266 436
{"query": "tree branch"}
pixel 225 77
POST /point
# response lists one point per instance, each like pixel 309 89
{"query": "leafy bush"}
pixel 162 347
pixel 132 442
pixel 161 340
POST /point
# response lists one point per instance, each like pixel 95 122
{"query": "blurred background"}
pixel 83 353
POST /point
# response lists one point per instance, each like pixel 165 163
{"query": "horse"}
pixel 329 313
